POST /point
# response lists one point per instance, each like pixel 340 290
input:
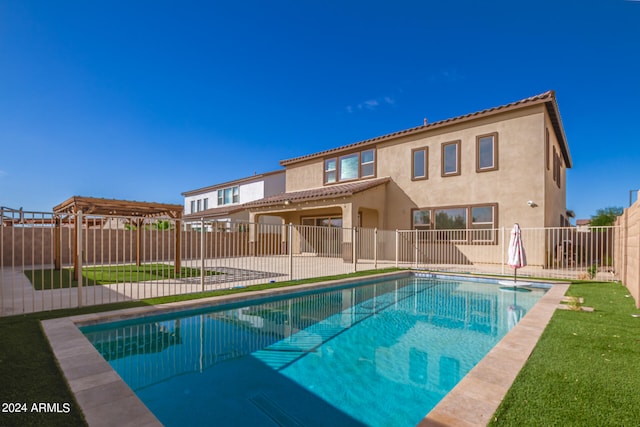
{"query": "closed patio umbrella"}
pixel 516 257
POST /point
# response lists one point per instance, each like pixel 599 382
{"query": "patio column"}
pixel 253 233
pixel 349 220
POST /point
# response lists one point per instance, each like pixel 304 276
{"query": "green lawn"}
pixel 104 275
pixel 582 372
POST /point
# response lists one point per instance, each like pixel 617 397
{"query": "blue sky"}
pixel 143 100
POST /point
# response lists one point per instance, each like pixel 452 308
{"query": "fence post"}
pixel 375 248
pixel 79 255
pixel 202 254
pixel 290 249
pixel 397 246
pixel 415 242
pixel 353 244
pixel 502 248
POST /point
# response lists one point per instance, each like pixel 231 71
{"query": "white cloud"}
pixel 371 104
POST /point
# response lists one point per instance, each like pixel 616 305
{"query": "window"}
pixel 555 165
pixel 228 196
pixel 205 204
pixel 452 222
pixel 559 172
pixel 422 219
pixel 487 152
pixel 419 162
pixel 466 224
pixel 546 148
pixel 193 206
pixel 367 163
pixel 450 219
pixel 199 204
pixel 451 158
pixel 330 171
pixel 350 167
pixel 482 222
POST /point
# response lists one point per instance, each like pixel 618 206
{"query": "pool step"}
pixel 272 410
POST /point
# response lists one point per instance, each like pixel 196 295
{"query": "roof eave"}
pixel 543 98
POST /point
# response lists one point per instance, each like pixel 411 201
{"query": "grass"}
pixel 584 369
pixel 582 372
pixel 109 274
pixel 29 371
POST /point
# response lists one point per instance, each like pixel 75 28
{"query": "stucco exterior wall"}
pixel 555 196
pixel 628 250
pixel 516 181
pixel 249 189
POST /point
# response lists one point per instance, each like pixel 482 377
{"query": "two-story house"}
pixel 486 169
pixel 482 170
pixel 224 201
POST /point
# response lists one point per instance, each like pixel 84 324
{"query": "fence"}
pixel 629 249
pixel 49 261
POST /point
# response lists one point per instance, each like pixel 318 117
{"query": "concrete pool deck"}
pixel 106 400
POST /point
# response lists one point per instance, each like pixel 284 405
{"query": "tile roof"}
pixel 254 177
pixel 548 98
pixel 214 212
pixel 321 193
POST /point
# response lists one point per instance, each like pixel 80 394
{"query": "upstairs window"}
pixel 487 152
pixel 367 163
pixel 330 174
pixel 350 167
pixel 228 196
pixel 451 158
pixel 419 162
pixel 546 148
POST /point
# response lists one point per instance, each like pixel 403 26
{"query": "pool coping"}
pixel 105 399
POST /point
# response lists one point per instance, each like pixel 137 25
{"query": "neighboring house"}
pixel 223 202
pixel 481 171
pixel 583 225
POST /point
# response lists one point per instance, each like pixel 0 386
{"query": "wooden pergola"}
pixel 136 212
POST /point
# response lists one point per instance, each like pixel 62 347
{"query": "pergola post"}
pixel 76 249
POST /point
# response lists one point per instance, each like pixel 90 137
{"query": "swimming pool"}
pixel 380 353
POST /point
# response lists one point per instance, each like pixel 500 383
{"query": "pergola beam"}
pixel 126 208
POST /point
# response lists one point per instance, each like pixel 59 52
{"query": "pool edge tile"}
pixel 97 390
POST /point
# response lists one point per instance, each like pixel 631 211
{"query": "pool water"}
pixel 379 354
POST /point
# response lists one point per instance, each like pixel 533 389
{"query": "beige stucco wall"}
pixel 555 197
pixel 628 250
